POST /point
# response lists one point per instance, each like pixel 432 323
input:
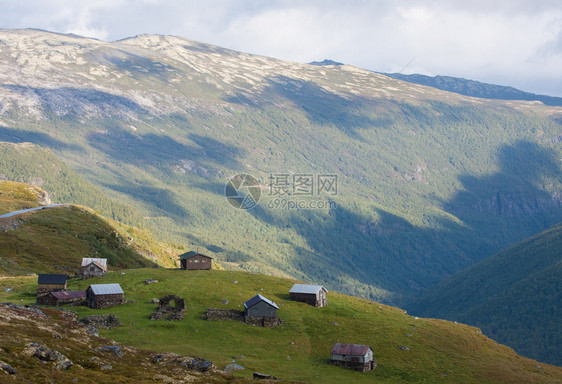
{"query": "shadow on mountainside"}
pixel 348 114
pixel 44 140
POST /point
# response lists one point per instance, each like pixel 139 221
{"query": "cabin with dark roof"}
pixel 50 282
pixel 58 298
pixel 261 311
pixel 93 267
pixel 353 356
pixel 104 295
pixel 195 261
pixel 314 295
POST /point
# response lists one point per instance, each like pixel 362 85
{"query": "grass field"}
pixel 440 351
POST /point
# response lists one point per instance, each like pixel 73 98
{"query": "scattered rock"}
pixel 336 324
pixel 404 348
pixel 102 321
pixel 239 357
pixel 235 282
pixel 224 301
pixel 116 350
pixel 263 376
pixel 154 301
pixel 106 367
pixel 233 367
pixel 46 354
pixel 8 368
pixel 122 273
pixel 150 281
pixel 158 358
pixel 409 335
pixel 92 331
pixel 199 364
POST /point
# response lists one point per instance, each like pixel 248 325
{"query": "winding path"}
pixel 28 210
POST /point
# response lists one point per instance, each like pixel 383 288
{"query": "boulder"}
pixel 102 321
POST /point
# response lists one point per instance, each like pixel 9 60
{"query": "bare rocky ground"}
pixel 51 346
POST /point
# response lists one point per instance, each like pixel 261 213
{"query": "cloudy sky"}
pixel 508 42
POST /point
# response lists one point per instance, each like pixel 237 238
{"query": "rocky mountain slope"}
pixel 476 88
pixel 428 182
pixel 514 296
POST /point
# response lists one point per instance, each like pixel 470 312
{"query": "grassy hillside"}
pixel 15 196
pixel 428 182
pixel 59 331
pixel 439 351
pixel 514 296
pixel 58 238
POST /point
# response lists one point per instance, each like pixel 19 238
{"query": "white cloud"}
pixel 514 42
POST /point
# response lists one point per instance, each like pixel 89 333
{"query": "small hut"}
pixel 50 282
pixel 353 356
pixel 195 261
pixel 261 311
pixel 104 295
pixel 314 295
pixel 58 298
pixel 93 267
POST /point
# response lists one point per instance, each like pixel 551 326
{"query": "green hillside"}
pixel 439 351
pixel 428 182
pixel 57 239
pixel 514 296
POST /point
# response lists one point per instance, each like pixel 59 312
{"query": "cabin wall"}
pixel 103 301
pixel 261 309
pixel 196 263
pixel 319 300
pixel 46 288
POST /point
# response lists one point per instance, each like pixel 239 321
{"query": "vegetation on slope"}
pixel 514 296
pixel 439 351
pixel 428 181
pixel 58 238
pixel 61 332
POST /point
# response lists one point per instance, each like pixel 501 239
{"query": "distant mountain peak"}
pixel 475 88
pixel 325 62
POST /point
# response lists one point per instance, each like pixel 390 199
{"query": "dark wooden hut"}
pixel 260 311
pixel 93 267
pixel 50 282
pixel 353 356
pixel 195 261
pixel 58 298
pixel 315 295
pixel 104 295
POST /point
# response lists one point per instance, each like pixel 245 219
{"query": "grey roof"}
pixel 256 299
pixel 190 254
pixel 102 263
pixel 350 349
pixel 106 289
pixel 307 288
pixel 51 279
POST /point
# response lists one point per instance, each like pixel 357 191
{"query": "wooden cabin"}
pixel 58 298
pixel 50 282
pixel 93 267
pixel 260 311
pixel 195 261
pixel 104 295
pixel 314 295
pixel 353 356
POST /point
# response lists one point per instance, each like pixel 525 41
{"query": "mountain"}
pixel 514 296
pixel 55 240
pixel 325 62
pixel 397 185
pixel 298 350
pixel 475 88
